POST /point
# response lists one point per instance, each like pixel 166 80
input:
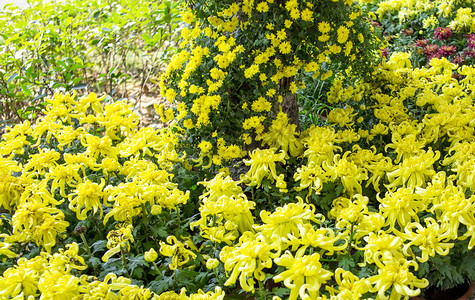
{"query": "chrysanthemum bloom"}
pixel 151 255
pixel 311 177
pixel 421 43
pixel 347 212
pixel 57 285
pixel 395 274
pixel 320 143
pixel 347 172
pixel 414 171
pixel 446 50
pixel 247 260
pixel 304 275
pixel 282 135
pixel 117 241
pixel 285 221
pixel 263 165
pixel 350 285
pixel 321 238
pixel 443 33
pixel 87 196
pixel 180 252
pixel 39 223
pixel 431 50
pixel 382 244
pixel 401 207
pixel 428 239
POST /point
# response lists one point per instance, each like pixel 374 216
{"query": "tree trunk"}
pixel 289 102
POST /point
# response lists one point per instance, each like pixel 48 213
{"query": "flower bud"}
pixel 156 210
pixel 151 255
pixel 212 263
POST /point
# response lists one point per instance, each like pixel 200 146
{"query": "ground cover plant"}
pixel 373 202
pixel 88 46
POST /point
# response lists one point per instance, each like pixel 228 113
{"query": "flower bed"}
pixel 375 204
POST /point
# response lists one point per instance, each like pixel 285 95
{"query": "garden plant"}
pixel 310 150
pixel 87 46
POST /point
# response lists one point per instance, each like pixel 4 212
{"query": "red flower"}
pixel 471 41
pixel 447 51
pixel 421 43
pixel 443 33
pixel 470 52
pixel 431 50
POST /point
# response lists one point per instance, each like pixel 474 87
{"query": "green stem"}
pixel 269 199
pixel 86 245
pixel 262 294
pixel 348 248
pixel 124 260
pixel 178 217
pixel 158 270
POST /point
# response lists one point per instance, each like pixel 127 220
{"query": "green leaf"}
pixel 99 246
pixel 159 231
pixel 346 262
pixel 94 262
pixel 138 273
pixel 161 285
pixel 281 292
pixel 79 86
pixel 14 75
pixel 137 261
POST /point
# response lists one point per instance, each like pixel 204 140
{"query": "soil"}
pixel 145 107
pixel 452 293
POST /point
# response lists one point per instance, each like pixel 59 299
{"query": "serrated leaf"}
pixel 202 277
pixel 281 292
pixel 99 246
pixel 138 273
pixel 94 262
pixel 423 269
pixel 137 261
pixel 364 273
pixel 346 262
pixel 159 231
pixel 161 285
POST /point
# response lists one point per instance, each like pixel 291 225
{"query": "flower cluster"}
pixel 427 29
pixel 85 162
pixel 364 206
pixel 424 210
pixel 238 63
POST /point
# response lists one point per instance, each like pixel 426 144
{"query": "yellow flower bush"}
pixel 260 62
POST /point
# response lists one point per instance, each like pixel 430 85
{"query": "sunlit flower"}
pixel 151 255
pixel 304 275
pixel 414 171
pixel 285 221
pixel 87 196
pixel 247 260
pixel 283 135
pixel 395 274
pixel 263 165
pixel 428 239
pixel 401 207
